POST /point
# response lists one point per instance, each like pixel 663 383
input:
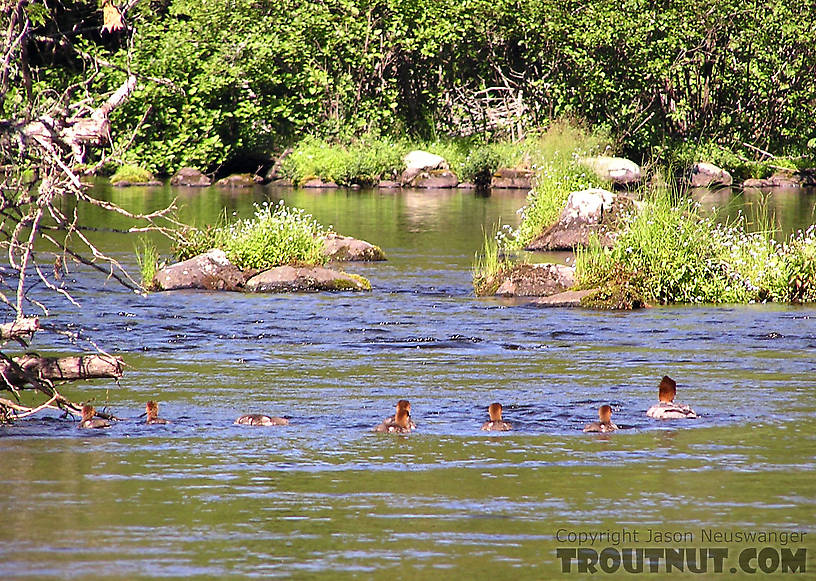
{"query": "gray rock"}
pixel 434 179
pixel 423 160
pixel 781 179
pixel 305 279
pixel 704 175
pixel 317 183
pixel 127 184
pixel 388 185
pixel 617 170
pixel 190 177
pixel 564 299
pixel 238 180
pixel 347 249
pixel 506 178
pixel 211 270
pixel 537 280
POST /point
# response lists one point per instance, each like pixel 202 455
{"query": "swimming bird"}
pixel 605 424
pixel 399 423
pixel 89 421
pixel 496 424
pixel 261 420
pixel 666 408
pixel 152 410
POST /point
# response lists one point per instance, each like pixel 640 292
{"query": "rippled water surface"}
pixel 325 497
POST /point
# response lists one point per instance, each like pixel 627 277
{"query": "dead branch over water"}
pixel 45 145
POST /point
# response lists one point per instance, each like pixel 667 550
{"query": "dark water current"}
pixel 325 497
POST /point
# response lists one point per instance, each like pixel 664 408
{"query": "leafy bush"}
pixel 276 235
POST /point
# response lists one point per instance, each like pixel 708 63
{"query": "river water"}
pixel 201 498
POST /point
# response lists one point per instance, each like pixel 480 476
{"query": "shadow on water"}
pixel 203 498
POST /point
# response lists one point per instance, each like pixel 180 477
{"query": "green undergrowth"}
pixel 669 253
pixel 371 158
pixel 739 159
pixel 274 236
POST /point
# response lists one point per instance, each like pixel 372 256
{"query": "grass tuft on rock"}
pixel 274 236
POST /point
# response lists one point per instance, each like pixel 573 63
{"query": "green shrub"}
pixel 276 235
pixel 132 174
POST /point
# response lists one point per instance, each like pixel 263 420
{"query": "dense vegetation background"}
pixel 236 80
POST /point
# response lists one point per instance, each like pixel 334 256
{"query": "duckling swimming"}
pixel 89 421
pixel 261 420
pixel 496 424
pixel 399 423
pixel 605 424
pixel 667 409
pixel 152 410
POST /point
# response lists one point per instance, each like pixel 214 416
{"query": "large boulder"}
pixel 536 280
pixel 434 179
pixel 618 170
pixel 422 162
pixel 506 178
pixel 190 177
pixel 238 180
pixel 211 270
pixel 706 175
pixel 318 184
pixel 347 249
pixel 589 212
pixel 305 279
pixel 419 159
pixel 570 298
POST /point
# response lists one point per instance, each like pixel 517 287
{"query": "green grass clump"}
pixel 132 174
pixel 490 264
pixel 276 235
pixel 148 258
pixel 669 253
pixel 554 155
pixel 364 161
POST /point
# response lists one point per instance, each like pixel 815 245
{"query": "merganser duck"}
pixel 152 410
pixel 496 424
pixel 89 421
pixel 667 409
pixel 605 424
pixel 399 423
pixel 261 420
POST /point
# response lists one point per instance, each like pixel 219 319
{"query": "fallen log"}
pixel 18 371
pixel 19 328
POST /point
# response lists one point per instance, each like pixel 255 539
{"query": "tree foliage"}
pixel 248 76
